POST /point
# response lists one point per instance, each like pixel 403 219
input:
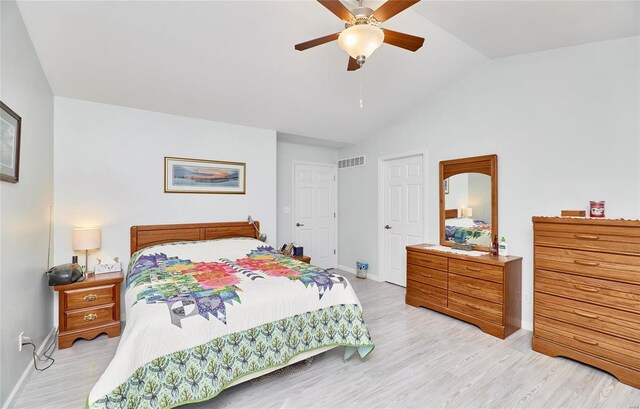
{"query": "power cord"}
pixel 46 353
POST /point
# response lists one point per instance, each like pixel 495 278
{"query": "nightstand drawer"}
pixel 89 317
pixel 89 297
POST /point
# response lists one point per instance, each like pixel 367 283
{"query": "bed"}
pixel 466 230
pixel 208 306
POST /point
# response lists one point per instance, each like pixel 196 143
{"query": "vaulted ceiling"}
pixel 234 61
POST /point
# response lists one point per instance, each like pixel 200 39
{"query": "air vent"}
pixel 355 162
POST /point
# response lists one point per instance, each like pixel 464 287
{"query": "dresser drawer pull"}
pixel 475 287
pixel 475 307
pixel 91 297
pixel 586 236
pixel 585 314
pixel 585 288
pixel 585 340
pixel 426 275
pixel 477 270
pixel 90 317
pixel 587 263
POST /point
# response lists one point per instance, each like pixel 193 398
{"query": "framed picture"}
pixel 10 123
pixel 446 186
pixel 183 175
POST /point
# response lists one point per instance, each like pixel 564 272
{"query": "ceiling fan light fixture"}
pixel 360 41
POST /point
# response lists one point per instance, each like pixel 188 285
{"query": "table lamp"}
pixel 86 239
pixel 466 212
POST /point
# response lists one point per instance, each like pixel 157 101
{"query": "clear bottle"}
pixel 503 248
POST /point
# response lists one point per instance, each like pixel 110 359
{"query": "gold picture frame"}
pixel 187 175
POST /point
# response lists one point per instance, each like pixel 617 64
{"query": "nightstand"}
pixel 89 308
pixel 304 259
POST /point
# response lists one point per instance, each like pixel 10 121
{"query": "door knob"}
pixel 387 227
pixel 299 224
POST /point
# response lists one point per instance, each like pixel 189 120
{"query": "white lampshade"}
pixel 466 212
pixel 86 238
pixel 361 40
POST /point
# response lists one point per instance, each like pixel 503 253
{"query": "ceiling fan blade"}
pixel 337 8
pixel 406 41
pixel 391 8
pixel 316 42
pixel 353 64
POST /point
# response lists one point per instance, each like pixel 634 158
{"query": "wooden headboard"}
pixel 146 236
pixel 451 213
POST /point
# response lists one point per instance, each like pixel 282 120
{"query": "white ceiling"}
pixel 504 28
pixel 234 61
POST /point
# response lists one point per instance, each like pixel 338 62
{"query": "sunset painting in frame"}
pixel 182 175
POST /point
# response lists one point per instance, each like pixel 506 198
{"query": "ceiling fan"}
pixel 362 36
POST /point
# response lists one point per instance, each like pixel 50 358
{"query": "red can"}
pixel 596 209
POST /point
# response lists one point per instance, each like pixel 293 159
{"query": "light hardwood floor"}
pixel 422 360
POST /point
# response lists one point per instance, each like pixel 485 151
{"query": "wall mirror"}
pixel 469 201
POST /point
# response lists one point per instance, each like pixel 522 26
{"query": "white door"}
pixel 403 218
pixel 314 217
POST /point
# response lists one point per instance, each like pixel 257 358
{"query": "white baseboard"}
pixel 372 277
pixel 28 370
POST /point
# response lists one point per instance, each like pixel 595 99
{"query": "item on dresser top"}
pixel 483 290
pixel 65 274
pixel 596 209
pixel 494 246
pixel 587 293
pixel 108 265
pixel 463 246
pixel 573 213
pixel 503 247
pixel 298 251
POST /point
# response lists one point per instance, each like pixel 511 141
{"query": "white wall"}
pixel 287 154
pixel 565 125
pixel 109 172
pixel 24 207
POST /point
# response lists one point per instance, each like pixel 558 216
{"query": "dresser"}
pixel 484 290
pixel 89 308
pixel 587 293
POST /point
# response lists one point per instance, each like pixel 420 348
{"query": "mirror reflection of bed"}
pixel 468 209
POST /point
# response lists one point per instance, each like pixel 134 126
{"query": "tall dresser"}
pixel 483 290
pixel 587 293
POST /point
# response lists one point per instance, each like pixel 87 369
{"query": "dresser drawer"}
pixel 486 290
pixel 89 297
pixel 477 270
pixel 608 293
pixel 90 317
pixel 428 276
pixel 615 322
pixel 426 260
pixel 427 293
pixel 601 265
pixel 475 307
pixel 615 239
pixel 612 348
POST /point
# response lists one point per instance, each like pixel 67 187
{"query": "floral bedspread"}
pixel 204 315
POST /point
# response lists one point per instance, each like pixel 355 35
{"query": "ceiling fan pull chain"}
pixel 361 100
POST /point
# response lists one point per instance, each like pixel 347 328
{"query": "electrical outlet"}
pixel 20 337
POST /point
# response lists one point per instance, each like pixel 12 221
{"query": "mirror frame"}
pixel 488 165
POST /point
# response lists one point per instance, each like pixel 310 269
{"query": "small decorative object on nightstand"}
pixel 304 259
pixel 89 308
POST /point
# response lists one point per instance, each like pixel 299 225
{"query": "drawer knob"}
pixel 475 307
pixel 90 317
pixel 473 269
pixel 586 288
pixel 585 314
pixel 586 236
pixel 585 340
pixel 587 263
pixel 475 287
pixel 91 297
